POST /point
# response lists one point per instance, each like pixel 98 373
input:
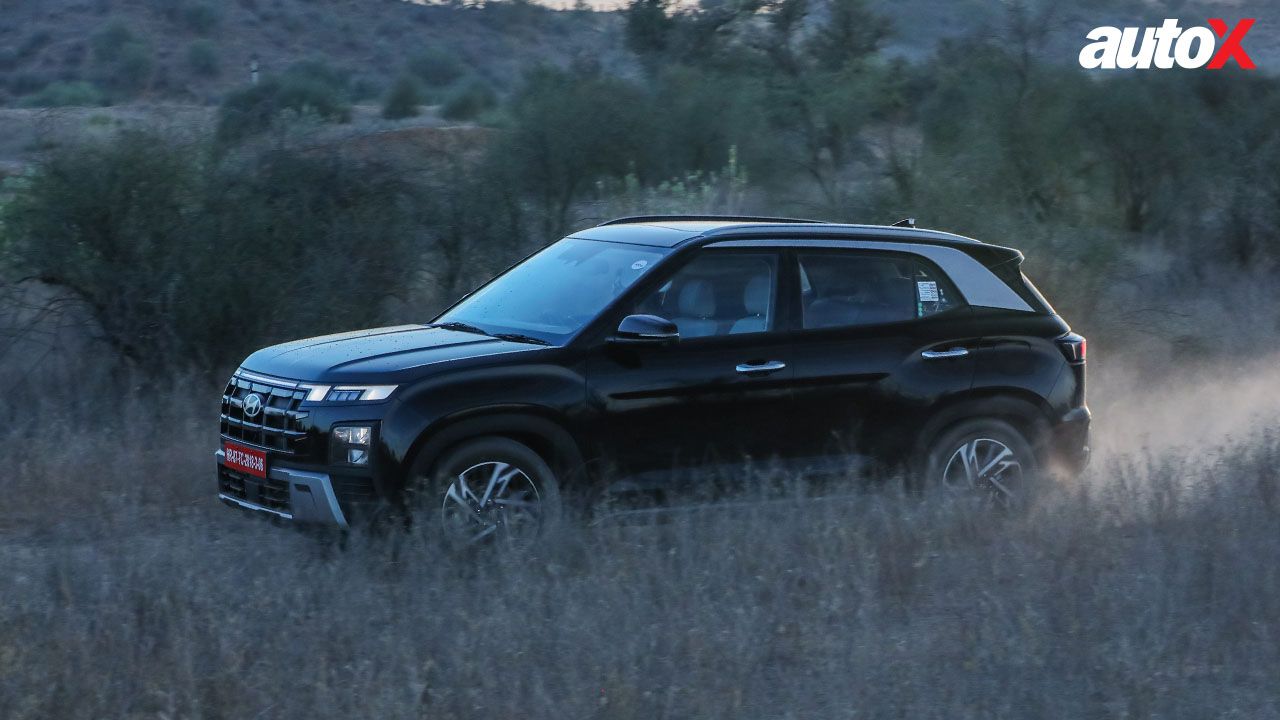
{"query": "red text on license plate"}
pixel 246 460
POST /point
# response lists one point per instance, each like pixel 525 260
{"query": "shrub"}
pixel 202 57
pixel 66 94
pixel 403 99
pixel 307 87
pixel 108 41
pixel 123 61
pixel 178 254
pixel 469 100
pixel 436 68
pixel 132 68
pixel 201 18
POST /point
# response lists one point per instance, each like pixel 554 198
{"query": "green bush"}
pixel 179 254
pixel 468 101
pixel 123 61
pixel 108 41
pixel 66 94
pixel 309 87
pixel 202 58
pixel 436 68
pixel 403 99
pixel 201 18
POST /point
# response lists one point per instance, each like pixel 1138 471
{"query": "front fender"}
pixel 536 404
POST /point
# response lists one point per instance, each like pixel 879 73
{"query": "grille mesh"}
pixel 277 426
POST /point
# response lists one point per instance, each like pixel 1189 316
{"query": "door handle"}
pixel 939 354
pixel 761 368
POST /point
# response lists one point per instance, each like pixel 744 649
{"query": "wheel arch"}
pixel 536 427
pixel 1024 410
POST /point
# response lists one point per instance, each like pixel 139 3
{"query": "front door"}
pixel 718 395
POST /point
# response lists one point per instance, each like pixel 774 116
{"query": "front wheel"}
pixel 487 490
pixel 986 458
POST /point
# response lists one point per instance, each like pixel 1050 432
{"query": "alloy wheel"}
pixel 491 501
pixel 985 466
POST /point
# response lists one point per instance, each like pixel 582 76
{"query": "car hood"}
pixel 380 356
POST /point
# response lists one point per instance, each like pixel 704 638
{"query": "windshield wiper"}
pixel 461 327
pixel 513 337
pixel 517 337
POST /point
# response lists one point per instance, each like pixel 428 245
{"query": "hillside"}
pixel 91 52
pixel 1055 31
pixel 197 50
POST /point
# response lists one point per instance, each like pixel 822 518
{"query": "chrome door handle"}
pixel 937 354
pixel 764 367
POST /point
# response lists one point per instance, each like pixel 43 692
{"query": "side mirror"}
pixel 645 330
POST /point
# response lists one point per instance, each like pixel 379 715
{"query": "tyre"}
pixel 983 458
pixel 489 490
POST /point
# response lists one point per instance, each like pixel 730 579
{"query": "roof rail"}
pixel 728 218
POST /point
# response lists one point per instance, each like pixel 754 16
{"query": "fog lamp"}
pixel 350 444
pixel 353 434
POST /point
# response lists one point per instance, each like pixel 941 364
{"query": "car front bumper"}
pixel 299 496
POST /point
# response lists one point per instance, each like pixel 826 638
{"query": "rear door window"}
pixel 848 289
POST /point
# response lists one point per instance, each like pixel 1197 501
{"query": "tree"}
pixel 648 27
pixel 569 130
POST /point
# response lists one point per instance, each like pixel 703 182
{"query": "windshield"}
pixel 553 294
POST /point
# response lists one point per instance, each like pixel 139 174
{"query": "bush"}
pixel 202 58
pixel 307 87
pixel 403 99
pixel 124 61
pixel 468 101
pixel 178 255
pixel 66 94
pixel 436 68
pixel 108 41
pixel 201 18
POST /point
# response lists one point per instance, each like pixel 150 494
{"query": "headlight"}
pixel 348 393
pixel 350 444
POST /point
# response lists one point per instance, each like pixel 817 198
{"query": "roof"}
pixel 679 230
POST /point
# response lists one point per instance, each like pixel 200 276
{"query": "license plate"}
pixel 246 460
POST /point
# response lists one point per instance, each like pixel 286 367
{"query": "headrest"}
pixel 755 297
pixel 697 299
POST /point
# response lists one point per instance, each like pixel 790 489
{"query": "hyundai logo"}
pixel 252 405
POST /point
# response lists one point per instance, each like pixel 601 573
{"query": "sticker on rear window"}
pixel 928 291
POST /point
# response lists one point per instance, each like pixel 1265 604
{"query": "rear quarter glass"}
pixel 1010 273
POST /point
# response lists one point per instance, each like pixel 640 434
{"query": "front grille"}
pixel 277 426
pixel 263 492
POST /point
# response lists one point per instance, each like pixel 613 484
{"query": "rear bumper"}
pixel 299 496
pixel 1069 444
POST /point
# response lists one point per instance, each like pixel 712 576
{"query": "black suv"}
pixel 647 345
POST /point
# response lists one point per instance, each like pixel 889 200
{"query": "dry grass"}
pixel 1148 589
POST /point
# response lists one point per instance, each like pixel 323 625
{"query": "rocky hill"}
pixel 67 51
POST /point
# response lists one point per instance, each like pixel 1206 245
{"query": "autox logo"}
pixel 1166 46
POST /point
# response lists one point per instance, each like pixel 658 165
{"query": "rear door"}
pixel 718 394
pixel 878 338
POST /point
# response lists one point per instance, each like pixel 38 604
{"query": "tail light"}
pixel 1074 347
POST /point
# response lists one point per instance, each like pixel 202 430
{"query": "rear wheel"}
pixel 485 491
pixel 983 458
